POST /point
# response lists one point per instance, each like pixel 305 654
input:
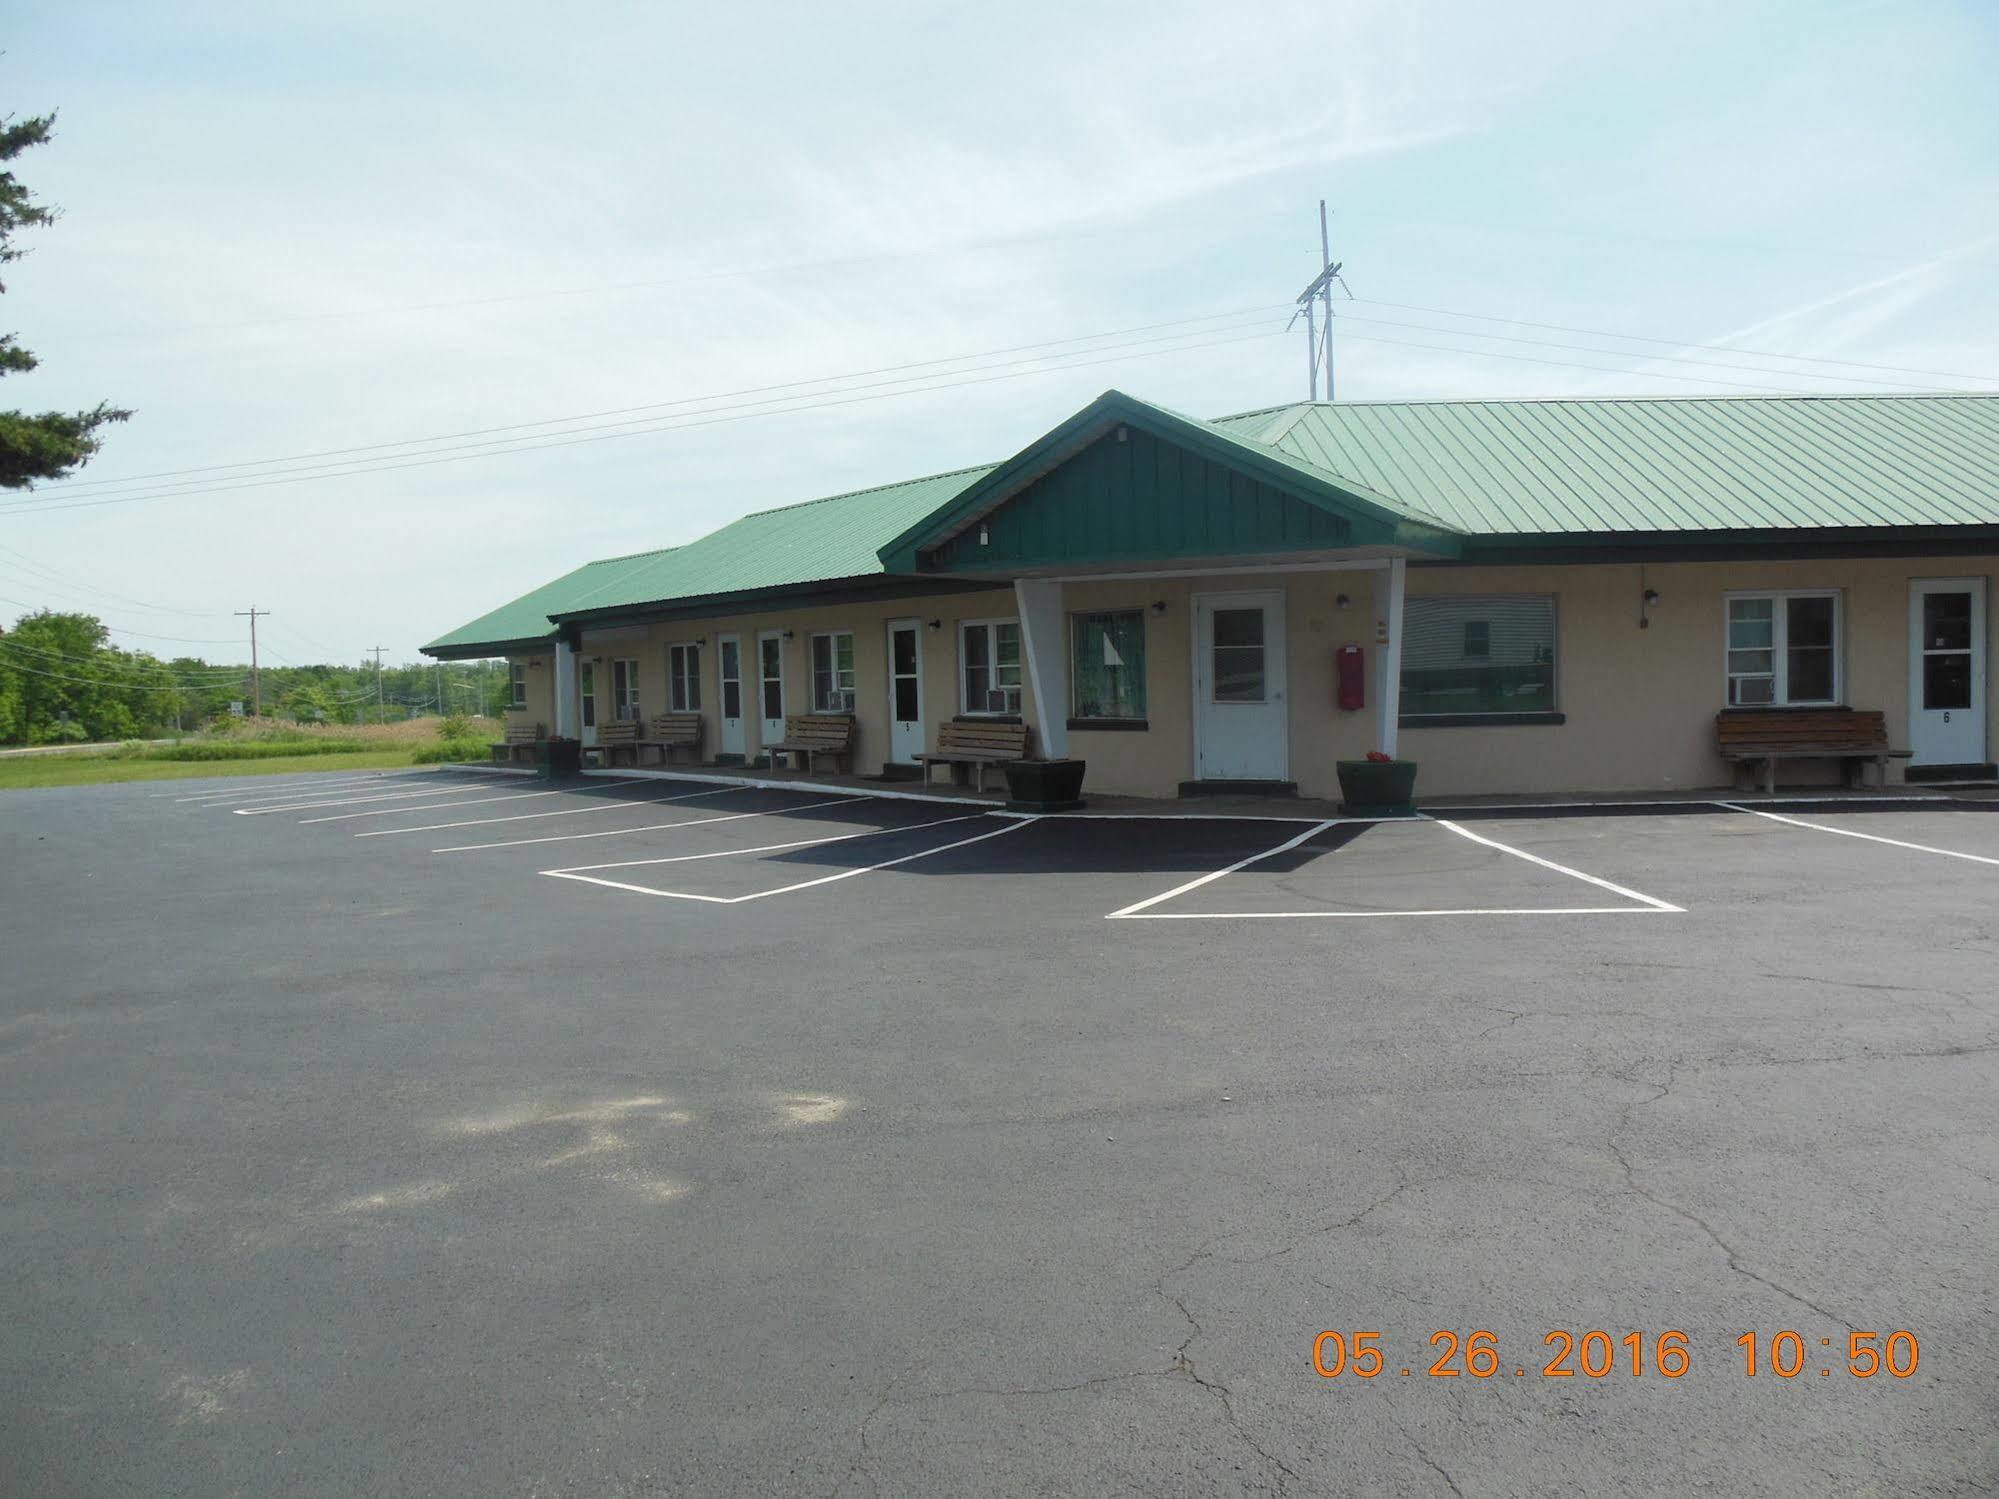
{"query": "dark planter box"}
pixel 558 757
pixel 1044 785
pixel 1378 788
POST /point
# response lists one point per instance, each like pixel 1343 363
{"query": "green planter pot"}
pixel 1378 788
pixel 554 758
pixel 1044 785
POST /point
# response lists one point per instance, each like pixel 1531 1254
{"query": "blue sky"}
pixel 291 229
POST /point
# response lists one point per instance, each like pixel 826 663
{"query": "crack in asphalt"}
pixel 1435 1466
pixel 1638 1190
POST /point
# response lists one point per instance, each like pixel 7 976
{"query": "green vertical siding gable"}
pixel 1142 498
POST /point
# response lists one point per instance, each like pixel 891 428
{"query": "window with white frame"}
pixel 683 678
pixel 989 660
pixel 1783 648
pixel 833 672
pixel 625 691
pixel 1478 653
pixel 517 684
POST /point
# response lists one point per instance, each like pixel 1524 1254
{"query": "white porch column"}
pixel 1043 642
pixel 1388 651
pixel 567 709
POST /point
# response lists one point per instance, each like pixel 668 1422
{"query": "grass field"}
pixel 381 747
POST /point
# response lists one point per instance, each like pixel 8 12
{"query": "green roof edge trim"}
pixel 1312 486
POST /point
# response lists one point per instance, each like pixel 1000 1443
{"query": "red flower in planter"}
pixel 1379 758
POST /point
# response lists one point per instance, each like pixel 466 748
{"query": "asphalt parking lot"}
pixel 445 1133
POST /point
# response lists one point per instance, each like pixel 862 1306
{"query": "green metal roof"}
pixel 819 541
pixel 1553 471
pixel 1670 464
pixel 526 620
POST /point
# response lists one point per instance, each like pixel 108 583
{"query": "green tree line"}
pixel 62 681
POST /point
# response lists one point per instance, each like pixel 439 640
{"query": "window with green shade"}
pixel 1478 653
pixel 1107 664
pixel 517 684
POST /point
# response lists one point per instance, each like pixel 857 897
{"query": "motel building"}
pixel 1551 596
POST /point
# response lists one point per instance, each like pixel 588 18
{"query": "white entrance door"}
pixel 905 690
pixel 734 741
pixel 770 685
pixel 1947 671
pixel 1241 721
pixel 586 692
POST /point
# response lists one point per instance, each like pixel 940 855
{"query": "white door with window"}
pixel 770 685
pixel 1947 671
pixel 734 741
pixel 905 691
pixel 1242 724
pixel 586 693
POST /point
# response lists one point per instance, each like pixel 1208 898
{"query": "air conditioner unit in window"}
pixel 995 701
pixel 843 702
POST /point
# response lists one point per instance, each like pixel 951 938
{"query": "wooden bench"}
pixel 519 744
pixel 1774 734
pixel 669 732
pixel 975 743
pixel 620 738
pixel 809 734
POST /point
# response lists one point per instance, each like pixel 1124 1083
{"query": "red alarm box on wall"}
pixel 1350 676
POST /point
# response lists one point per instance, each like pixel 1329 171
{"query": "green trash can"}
pixel 554 758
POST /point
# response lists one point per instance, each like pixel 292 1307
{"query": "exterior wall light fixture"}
pixel 1159 606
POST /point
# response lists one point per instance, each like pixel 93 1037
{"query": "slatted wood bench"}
pixel 975 743
pixel 669 732
pixel 1775 734
pixel 809 734
pixel 619 740
pixel 519 744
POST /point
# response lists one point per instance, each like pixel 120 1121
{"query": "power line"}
pixel 671 426
pixel 1601 369
pixel 727 395
pixel 1486 317
pixel 23 560
pixel 1546 343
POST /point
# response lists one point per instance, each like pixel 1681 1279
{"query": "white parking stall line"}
pixel 1208 879
pixel 508 796
pixel 266 791
pixel 355 800
pixel 824 879
pixel 1819 827
pixel 650 827
pixel 601 804
pixel 1575 874
pixel 767 848
pixel 1141 911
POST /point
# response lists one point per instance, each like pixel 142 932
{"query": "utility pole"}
pixel 256 678
pixel 381 709
pixel 1315 305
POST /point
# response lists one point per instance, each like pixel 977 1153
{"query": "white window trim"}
pixel 812 668
pixel 628 667
pixel 1780 655
pixel 674 678
pixel 517 684
pixel 965 710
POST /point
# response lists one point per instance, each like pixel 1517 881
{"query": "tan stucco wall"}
pixel 540 707
pixel 1639 704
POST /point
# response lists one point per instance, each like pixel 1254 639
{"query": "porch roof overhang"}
pixel 479 650
pixel 1124 485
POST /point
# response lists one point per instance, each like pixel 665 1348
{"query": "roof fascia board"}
pixel 794 596
pixel 1719 546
